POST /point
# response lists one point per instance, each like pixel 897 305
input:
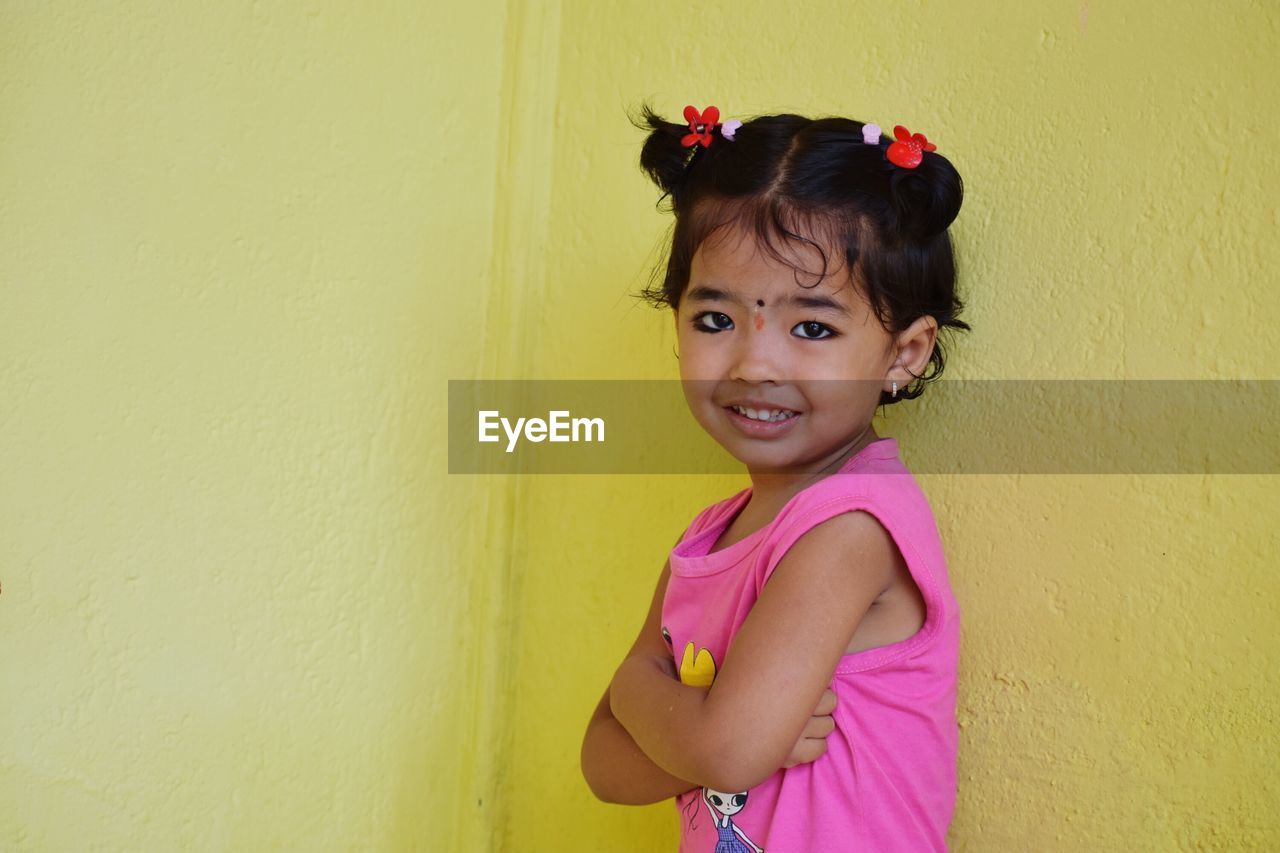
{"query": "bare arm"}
pixel 616 769
pixel 735 734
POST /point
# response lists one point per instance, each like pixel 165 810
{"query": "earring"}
pixel 895 389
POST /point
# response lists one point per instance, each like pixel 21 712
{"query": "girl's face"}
pixel 749 333
pixel 727 804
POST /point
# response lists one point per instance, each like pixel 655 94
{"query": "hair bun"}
pixel 926 199
pixel 663 158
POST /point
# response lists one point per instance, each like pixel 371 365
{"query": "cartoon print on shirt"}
pixel 697 666
pixel 729 837
pixel 698 669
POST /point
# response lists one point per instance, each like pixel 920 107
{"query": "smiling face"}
pixel 748 330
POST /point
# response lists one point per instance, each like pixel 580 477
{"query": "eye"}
pixel 715 799
pixel 739 799
pixel 813 330
pixel 716 317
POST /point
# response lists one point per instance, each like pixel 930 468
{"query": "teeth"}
pixel 769 415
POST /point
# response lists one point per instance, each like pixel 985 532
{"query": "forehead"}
pixel 736 260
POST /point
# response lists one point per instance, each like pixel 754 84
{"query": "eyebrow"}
pixel 819 302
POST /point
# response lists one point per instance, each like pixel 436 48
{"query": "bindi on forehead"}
pixel 712 295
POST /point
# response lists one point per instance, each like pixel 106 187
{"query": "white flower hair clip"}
pixel 871 134
pixel 729 128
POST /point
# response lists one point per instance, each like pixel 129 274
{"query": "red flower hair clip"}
pixel 700 125
pixel 909 150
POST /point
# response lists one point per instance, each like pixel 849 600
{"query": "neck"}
pixel 771 489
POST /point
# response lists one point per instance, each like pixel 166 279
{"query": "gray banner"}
pixel 995 426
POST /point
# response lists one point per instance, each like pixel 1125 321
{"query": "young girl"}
pixel 794 683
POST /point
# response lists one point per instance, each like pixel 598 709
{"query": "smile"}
pixel 762 423
pixel 767 415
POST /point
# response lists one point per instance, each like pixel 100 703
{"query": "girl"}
pixel 802 642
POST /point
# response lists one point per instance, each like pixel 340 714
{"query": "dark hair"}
pixel 791 176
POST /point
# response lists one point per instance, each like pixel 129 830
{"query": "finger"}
pixel 819 727
pixel 809 749
pixel 804 751
pixel 826 704
pixel 796 757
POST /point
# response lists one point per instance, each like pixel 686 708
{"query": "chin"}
pixel 761 460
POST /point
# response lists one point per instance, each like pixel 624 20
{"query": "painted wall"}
pixel 242 248
pixel 1122 178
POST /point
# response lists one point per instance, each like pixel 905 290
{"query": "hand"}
pixel 813 740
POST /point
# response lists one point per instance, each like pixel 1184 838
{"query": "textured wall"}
pixel 1121 170
pixel 242 247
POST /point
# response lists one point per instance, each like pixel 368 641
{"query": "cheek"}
pixel 856 359
pixel 687 377
pixel 839 397
pixel 698 358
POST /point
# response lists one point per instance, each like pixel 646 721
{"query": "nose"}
pixel 758 356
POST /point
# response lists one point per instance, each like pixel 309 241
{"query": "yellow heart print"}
pixel 697 670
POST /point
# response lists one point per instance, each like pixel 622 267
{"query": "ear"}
pixel 914 347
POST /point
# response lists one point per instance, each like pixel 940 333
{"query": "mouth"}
pixel 762 423
pixel 764 415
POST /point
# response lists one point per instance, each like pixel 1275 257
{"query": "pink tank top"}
pixel 888 779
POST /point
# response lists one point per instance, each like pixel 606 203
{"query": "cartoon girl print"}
pixel 729 837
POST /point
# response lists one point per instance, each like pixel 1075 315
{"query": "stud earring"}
pixel 895 389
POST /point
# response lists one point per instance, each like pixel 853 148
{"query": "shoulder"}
pixel 851 547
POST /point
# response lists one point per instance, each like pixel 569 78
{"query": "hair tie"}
pixel 701 125
pixel 909 150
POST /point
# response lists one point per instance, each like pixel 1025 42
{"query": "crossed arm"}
pixel 653 737
pixel 615 767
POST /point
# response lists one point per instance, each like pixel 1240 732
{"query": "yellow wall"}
pixel 1121 180
pixel 243 247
